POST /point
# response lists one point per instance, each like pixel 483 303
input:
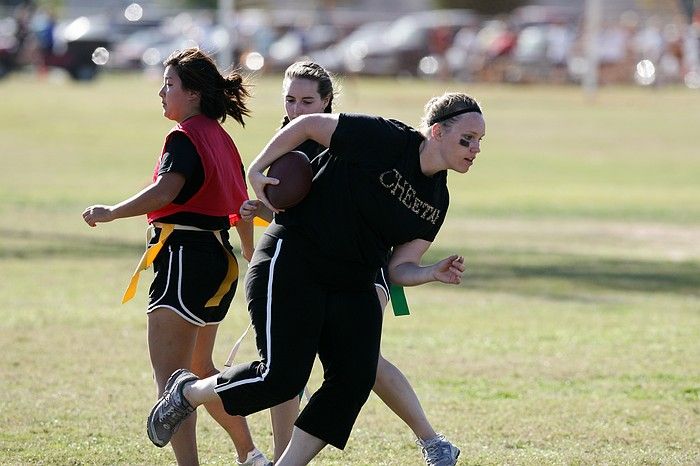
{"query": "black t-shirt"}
pixel 311 148
pixel 181 156
pixel 369 193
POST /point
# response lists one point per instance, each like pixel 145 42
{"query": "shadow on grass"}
pixel 561 276
pixel 19 244
pixel 574 276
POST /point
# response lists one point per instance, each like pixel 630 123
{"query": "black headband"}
pixel 453 114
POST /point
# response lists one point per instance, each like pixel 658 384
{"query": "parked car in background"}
pixel 150 46
pixel 545 38
pixel 298 41
pixel 413 37
pixel 74 43
pixel 482 53
pixel 346 56
pixel 129 52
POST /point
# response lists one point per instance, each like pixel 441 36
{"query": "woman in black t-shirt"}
pixel 381 185
pixel 308 88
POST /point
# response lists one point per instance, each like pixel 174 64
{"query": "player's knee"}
pixel 365 374
pixel 284 388
pixel 358 383
pixel 366 383
pixel 279 393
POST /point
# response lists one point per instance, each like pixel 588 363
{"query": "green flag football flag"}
pixel 398 301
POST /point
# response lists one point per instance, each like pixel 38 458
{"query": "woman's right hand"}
pixel 98 214
pixel 258 181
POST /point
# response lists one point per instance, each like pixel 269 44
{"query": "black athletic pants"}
pixel 300 306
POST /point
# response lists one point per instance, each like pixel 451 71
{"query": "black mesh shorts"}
pixel 188 272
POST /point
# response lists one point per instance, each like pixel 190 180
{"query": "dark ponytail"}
pixel 236 94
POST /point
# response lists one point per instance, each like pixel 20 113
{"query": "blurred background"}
pixel 574 339
pixel 593 42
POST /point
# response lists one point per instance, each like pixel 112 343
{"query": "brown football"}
pixel 294 172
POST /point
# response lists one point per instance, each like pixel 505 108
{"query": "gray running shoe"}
pixel 255 458
pixel 438 451
pixel 170 410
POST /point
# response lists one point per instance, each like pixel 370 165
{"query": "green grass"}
pixel 573 339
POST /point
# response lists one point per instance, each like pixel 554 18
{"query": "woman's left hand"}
pixel 449 270
pixel 249 209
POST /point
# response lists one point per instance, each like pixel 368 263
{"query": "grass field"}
pixel 575 338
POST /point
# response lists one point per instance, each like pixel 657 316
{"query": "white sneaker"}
pixel 255 458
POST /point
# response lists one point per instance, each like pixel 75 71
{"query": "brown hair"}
pixel 446 108
pixel 219 96
pixel 313 72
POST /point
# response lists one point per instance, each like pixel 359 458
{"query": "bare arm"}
pixel 245 233
pixel 405 268
pixel 319 127
pixel 153 197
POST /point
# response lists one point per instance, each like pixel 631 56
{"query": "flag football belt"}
pixel 260 222
pixel 152 251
